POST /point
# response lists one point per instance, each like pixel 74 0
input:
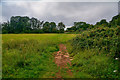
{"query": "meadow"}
pixel 30 55
pixel 92 50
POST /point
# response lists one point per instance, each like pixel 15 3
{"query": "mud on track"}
pixel 62 60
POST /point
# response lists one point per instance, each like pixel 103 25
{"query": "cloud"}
pixel 67 12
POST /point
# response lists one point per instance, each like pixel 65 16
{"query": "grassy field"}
pixel 30 55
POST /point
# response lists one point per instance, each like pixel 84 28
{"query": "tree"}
pixel 34 23
pixel 53 28
pixel 5 27
pixel 61 27
pixel 103 22
pixel 40 24
pixel 46 27
pixel 115 21
pixel 20 24
pixel 81 26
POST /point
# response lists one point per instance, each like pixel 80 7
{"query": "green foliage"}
pixel 46 27
pixel 93 52
pixel 90 64
pixel 79 27
pixel 53 27
pixel 103 22
pixel 105 39
pixel 25 24
pixel 115 21
pixel 61 27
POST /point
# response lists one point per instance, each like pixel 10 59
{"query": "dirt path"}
pixel 62 60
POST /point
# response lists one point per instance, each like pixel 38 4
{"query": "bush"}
pixel 94 51
pixel 102 38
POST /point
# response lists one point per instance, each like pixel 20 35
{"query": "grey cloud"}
pixel 67 12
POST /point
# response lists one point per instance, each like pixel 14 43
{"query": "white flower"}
pixel 116 58
pixel 115 71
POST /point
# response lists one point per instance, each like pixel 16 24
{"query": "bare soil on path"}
pixel 62 60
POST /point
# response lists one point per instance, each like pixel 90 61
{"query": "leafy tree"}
pixel 81 26
pixel 40 24
pixel 53 28
pixel 115 21
pixel 6 27
pixel 46 27
pixel 20 24
pixel 72 29
pixel 61 27
pixel 34 23
pixel 103 22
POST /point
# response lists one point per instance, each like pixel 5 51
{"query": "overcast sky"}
pixel 67 12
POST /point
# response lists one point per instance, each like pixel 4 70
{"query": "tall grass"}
pixel 30 55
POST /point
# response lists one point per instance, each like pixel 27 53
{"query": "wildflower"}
pixel 116 58
pixel 115 71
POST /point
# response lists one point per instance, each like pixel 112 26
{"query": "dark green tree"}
pixel 34 23
pixel 19 24
pixel 103 22
pixel 53 28
pixel 61 27
pixel 5 27
pixel 115 21
pixel 46 27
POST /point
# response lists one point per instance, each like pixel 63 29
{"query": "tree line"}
pixel 81 26
pixel 18 24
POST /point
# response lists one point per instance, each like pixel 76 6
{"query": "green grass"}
pixel 30 55
pixel 88 64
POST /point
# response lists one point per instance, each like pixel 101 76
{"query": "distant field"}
pixel 30 55
pixel 40 37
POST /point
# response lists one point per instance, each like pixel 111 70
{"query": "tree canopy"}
pixel 18 24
